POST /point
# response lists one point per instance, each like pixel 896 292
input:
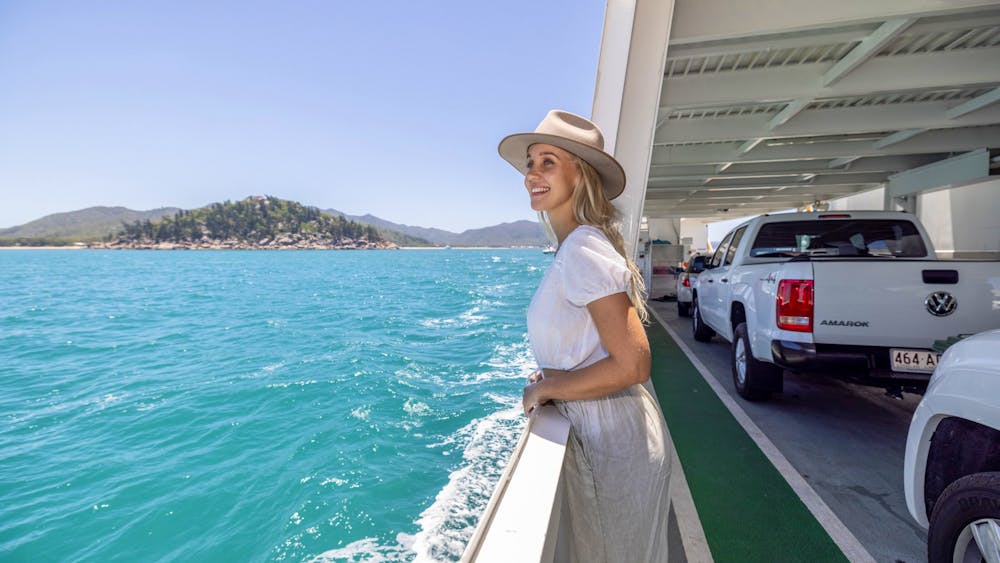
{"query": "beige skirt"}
pixel 616 480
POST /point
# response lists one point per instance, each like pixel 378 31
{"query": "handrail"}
pixel 521 520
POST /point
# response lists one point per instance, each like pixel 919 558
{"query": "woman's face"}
pixel 551 177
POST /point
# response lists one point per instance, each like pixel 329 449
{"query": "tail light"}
pixel 685 280
pixel 795 305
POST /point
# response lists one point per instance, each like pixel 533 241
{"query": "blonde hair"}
pixel 591 206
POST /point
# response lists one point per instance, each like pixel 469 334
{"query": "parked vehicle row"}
pixel 686 280
pixel 857 295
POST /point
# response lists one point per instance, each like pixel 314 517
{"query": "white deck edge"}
pixel 838 532
pixel 521 520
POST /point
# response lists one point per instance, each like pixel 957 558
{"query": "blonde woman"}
pixel 585 324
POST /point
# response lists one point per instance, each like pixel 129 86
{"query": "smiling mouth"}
pixel 538 191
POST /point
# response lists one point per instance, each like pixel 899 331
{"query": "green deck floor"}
pixel 748 511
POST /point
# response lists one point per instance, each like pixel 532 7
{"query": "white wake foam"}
pixel 448 523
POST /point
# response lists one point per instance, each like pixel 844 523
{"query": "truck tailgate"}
pixel 875 302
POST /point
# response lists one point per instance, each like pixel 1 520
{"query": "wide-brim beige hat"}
pixel 572 133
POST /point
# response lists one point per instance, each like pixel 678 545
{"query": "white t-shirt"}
pixel 560 328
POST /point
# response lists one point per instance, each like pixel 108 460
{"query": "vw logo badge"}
pixel 941 303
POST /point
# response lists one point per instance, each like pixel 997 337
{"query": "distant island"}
pixel 254 223
pixel 257 222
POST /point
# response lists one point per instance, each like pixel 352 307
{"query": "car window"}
pixel 720 252
pixel 697 264
pixel 731 253
pixel 840 237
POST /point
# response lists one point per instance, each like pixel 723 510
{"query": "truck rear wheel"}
pixel 965 522
pixel 754 380
pixel 701 332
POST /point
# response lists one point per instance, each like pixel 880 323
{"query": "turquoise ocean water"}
pixel 257 405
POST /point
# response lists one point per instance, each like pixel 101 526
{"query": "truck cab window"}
pixel 737 237
pixel 894 238
pixel 721 251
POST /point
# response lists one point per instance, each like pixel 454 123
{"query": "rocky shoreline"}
pixel 284 242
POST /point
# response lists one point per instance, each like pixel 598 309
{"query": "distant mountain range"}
pixel 517 233
pixel 97 223
pixel 92 223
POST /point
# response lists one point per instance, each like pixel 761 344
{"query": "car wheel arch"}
pixel 737 315
pixel 958 448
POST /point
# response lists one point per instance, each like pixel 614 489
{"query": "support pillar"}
pixel 627 95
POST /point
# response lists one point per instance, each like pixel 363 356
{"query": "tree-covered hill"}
pixel 255 222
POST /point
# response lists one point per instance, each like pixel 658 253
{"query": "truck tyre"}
pixel 701 332
pixel 754 380
pixel 683 309
pixel 966 520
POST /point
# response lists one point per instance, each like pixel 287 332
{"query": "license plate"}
pixel 914 360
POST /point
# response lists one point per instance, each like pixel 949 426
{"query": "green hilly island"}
pixel 254 222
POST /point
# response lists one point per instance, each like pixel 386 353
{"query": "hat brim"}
pixel 514 149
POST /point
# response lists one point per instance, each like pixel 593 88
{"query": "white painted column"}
pixel 627 95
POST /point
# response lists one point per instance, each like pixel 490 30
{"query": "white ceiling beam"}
pixel 705 20
pixel 727 211
pixel 838 162
pixel 823 122
pixel 830 180
pixel 791 110
pixel 974 104
pixel 683 170
pixel 786 168
pixel 790 176
pixel 820 166
pixel 826 37
pixel 958 22
pixel 901 73
pixel 775 196
pixel 931 142
pixel 866 49
pixel 662 115
pixel 800 180
pixel 804 166
pixel 760 201
pixel 897 137
pixel 748 146
pixel 771 42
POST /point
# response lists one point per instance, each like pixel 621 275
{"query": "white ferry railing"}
pixel 521 520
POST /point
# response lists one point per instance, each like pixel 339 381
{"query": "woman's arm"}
pixel 627 363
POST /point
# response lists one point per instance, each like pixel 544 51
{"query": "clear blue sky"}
pixel 390 108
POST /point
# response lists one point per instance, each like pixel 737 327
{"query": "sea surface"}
pixel 256 405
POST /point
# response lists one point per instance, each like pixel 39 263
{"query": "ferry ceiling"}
pixel 729 108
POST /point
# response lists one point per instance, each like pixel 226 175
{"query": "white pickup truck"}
pixel 855 294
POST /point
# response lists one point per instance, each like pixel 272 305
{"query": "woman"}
pixel 585 324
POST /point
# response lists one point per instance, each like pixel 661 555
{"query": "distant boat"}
pixel 549 250
pixel 447 247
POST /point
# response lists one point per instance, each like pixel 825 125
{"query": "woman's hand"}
pixel 533 396
pixel 536 376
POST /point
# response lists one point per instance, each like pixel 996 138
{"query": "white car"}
pixel 686 280
pixel 852 294
pixel 952 467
